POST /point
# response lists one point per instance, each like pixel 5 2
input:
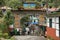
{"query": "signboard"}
pixel 29 5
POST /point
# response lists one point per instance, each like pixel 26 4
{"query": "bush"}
pixel 0 34
pixel 12 38
pixel 50 38
pixel 5 35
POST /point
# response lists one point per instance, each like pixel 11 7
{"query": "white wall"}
pixel 57 26
pixel 57 19
pixel 57 33
pixel 47 22
pixel 53 22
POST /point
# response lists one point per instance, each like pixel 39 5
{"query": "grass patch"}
pixel 50 38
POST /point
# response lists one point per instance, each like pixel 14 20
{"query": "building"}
pixel 18 14
pixel 53 25
pixel 29 8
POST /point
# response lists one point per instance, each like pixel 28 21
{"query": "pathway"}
pixel 30 38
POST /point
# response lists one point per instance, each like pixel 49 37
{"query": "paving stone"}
pixel 30 38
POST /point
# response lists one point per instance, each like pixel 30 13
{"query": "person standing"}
pixel 18 31
pixel 32 29
pixel 23 31
pixel 27 30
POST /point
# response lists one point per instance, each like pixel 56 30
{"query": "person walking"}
pixel 18 31
pixel 27 30
pixel 23 31
pixel 32 29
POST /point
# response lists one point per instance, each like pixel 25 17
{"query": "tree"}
pixel 24 20
pixel 6 20
pixel 2 2
pixel 1 14
pixel 54 3
pixel 57 3
pixel 14 4
pixel 9 18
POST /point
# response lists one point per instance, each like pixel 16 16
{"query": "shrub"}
pixel 5 35
pixel 50 38
pixel 12 38
pixel 0 35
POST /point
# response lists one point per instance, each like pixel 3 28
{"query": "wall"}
pixel 19 14
pixel 17 20
pixel 54 31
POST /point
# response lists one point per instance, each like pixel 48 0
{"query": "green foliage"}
pixel 2 2
pixel 12 38
pixel 55 3
pixel 9 18
pixel 5 35
pixel 14 3
pixel 24 20
pixel 50 38
pixel 3 26
pixel 1 14
pixel 0 33
pixel 51 4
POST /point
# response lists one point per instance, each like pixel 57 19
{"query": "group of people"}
pixel 29 30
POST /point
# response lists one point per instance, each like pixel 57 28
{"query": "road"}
pixel 30 38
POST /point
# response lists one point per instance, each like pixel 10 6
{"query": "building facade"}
pixel 53 26
pixel 18 14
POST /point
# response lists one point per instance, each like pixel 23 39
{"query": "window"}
pixel 50 23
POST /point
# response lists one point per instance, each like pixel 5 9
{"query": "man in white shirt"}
pixel 27 30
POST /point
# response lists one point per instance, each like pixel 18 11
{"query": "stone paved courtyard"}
pixel 30 38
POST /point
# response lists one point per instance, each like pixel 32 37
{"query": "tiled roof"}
pixel 53 9
pixel 54 14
